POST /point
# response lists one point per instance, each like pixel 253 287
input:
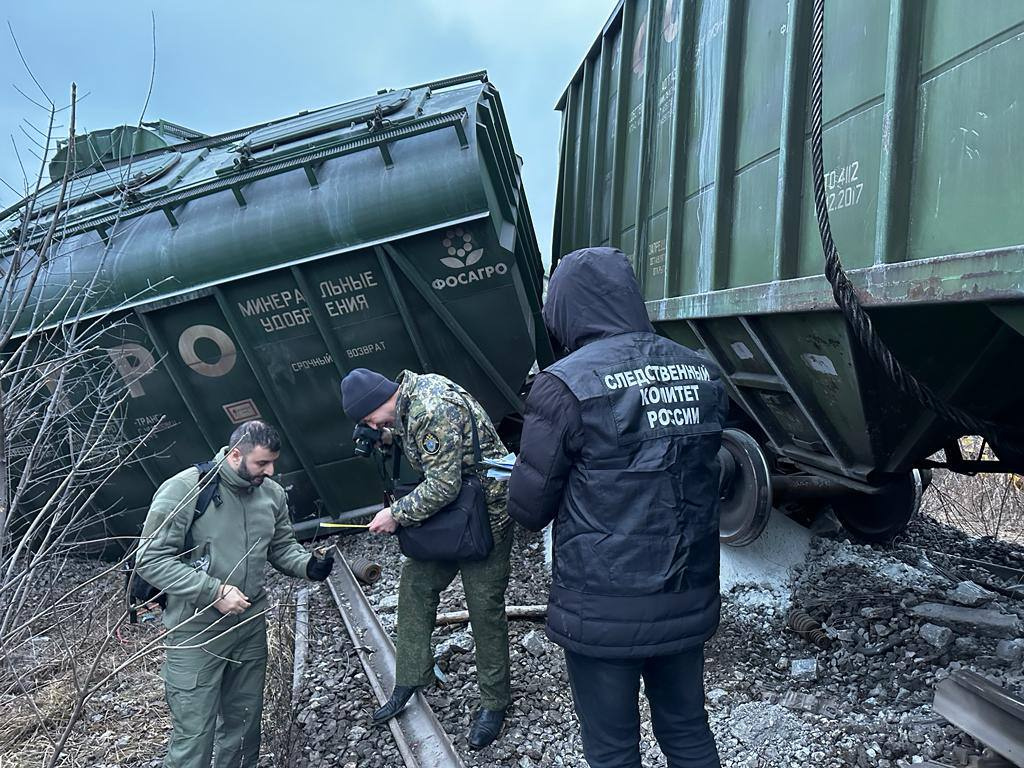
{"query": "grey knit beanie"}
pixel 363 391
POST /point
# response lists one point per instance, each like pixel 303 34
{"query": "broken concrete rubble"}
pixel 984 620
pixel 970 594
pixel 804 669
pixel 940 637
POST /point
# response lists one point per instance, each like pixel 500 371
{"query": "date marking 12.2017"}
pixel 843 186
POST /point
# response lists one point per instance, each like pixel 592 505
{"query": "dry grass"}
pixel 22 716
pixel 126 724
pixel 280 731
pixel 106 738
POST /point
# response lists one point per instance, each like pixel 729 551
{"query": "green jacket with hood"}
pixel 233 542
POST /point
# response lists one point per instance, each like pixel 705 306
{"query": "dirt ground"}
pixel 125 723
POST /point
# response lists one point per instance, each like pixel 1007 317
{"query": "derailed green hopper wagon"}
pixel 686 142
pixel 257 267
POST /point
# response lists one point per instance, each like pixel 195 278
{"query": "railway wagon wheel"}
pixel 878 518
pixel 746 496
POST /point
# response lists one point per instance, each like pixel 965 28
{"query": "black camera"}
pixel 365 438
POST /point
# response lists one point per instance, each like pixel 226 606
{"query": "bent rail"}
pixel 421 740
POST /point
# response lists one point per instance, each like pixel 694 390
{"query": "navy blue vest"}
pixel 635 569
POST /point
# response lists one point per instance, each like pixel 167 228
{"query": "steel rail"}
pixel 421 740
pixel 986 711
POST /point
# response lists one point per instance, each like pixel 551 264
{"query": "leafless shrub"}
pixel 984 505
pixel 62 439
pixel 79 686
pixel 122 721
pixel 281 734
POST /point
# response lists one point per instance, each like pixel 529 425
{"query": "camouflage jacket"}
pixel 433 426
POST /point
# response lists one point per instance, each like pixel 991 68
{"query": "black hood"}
pixel 594 294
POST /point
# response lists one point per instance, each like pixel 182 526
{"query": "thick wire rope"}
pixel 843 290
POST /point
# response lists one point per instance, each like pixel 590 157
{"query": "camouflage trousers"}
pixel 215 695
pixel 485 583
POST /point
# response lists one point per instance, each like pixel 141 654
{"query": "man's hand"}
pixel 384 522
pixel 317 569
pixel 231 600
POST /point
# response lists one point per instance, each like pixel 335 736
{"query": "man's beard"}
pixel 243 472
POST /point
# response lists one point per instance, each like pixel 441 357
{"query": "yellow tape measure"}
pixel 344 525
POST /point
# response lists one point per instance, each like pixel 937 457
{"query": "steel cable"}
pixel 842 289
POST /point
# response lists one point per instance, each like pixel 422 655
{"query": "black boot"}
pixel 399 698
pixel 486 727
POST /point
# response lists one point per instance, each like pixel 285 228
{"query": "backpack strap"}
pixel 396 462
pixel 138 590
pixel 478 456
pixel 210 492
pixel 477 453
pixel 396 459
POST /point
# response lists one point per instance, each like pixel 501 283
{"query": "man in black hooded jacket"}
pixel 619 449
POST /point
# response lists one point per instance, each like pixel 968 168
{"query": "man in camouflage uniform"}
pixel 429 417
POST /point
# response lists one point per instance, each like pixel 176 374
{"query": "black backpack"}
pixel 137 589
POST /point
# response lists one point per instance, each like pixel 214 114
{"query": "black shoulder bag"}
pixel 460 530
pixel 140 591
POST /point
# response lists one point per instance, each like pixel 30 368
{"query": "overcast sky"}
pixel 223 64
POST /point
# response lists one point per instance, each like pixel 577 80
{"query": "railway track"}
pixel 418 734
pixel 986 711
pixel 752 640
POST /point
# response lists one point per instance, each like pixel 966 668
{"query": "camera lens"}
pixel 364 439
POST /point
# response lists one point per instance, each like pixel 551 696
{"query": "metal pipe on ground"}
pixel 511 611
pixel 301 640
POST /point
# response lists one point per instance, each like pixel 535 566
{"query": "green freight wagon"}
pixel 256 267
pixel 686 142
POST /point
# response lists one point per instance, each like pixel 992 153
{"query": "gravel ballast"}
pixel 774 698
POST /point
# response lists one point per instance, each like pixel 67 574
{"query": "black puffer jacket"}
pixel 619 448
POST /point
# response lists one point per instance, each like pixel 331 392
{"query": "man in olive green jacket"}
pixel 216 603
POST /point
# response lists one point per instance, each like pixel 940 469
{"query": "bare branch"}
pixel 152 69
pixel 32 125
pixel 7 184
pixel 29 98
pixel 31 138
pixel 28 69
pixel 45 246
pixel 21 164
